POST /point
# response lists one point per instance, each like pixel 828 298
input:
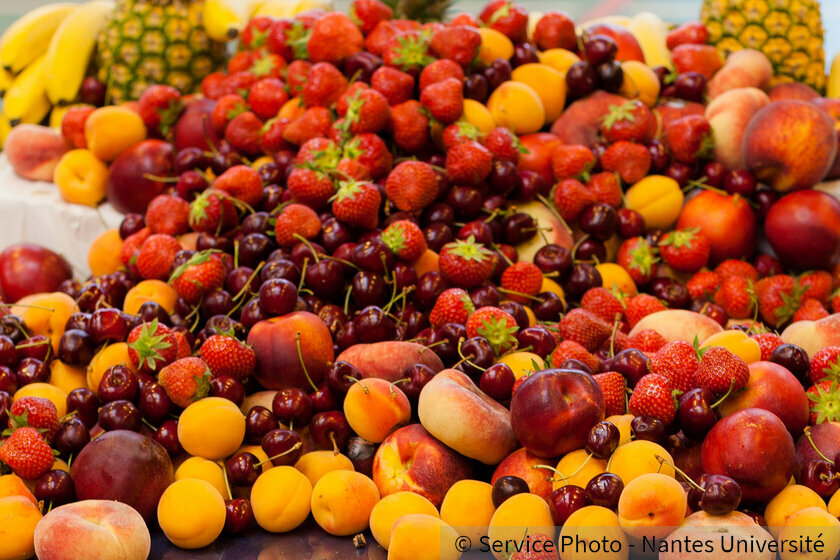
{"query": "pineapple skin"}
pixel 155 42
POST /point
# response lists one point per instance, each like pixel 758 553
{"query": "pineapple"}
pixel 420 10
pixel 789 32
pixel 155 42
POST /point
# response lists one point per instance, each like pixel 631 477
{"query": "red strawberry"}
pixel 409 126
pixel 225 109
pixel 535 546
pixel 606 187
pixel 703 59
pixel 835 301
pixel 267 96
pixel 571 198
pixel 239 83
pixel 736 297
pixel 653 396
pixel 497 326
pixel 825 364
pixel 602 303
pixel 689 138
pixel 468 163
pixel 444 100
pixel 460 132
pixel 240 62
pixel 213 85
pixel 585 328
pixel 685 250
pixel 810 310
pixel 334 37
pixel 571 160
pixel 73 125
pixel 778 298
pixel 366 111
pixel 466 263
pixel 630 160
pixel 637 257
pixel 405 239
pixel 131 245
pixel 293 221
pixel 185 381
pixel 522 278
pixel 411 185
pixel 736 267
pixel 202 274
pixel 571 350
pixel 648 341
pixel 168 214
pixel 825 402
pixel 453 305
pixel 156 256
pixel 632 122
pixel 184 349
pixel 212 211
pixel 241 182
pixel 614 388
pixel 504 144
pixel 817 284
pixel 27 453
pixel 324 85
pixel 255 34
pixel 357 204
pixel 243 133
pixel 768 342
pixel 438 71
pixel 296 76
pixel 310 187
pixel 225 355
pixel 369 151
pixel 676 361
pixel 314 122
pixel 396 85
pixel 320 153
pixel 638 307
pixel 555 30
pixel 151 346
pixel 408 51
pixel 719 370
pixel 159 107
pixel 34 412
pixel 456 42
pixel 368 13
pixel 506 17
pixel 691 32
pixel 267 65
pixel 703 284
pixel 271 136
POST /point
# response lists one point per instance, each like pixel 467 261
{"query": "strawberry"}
pixel 606 187
pixel 703 284
pixel 243 133
pixel 239 83
pixel 497 326
pixel 408 51
pixel 778 298
pixel 212 211
pixel 571 160
pixel 212 86
pixel 835 301
pixel 468 163
pixel 459 43
pixel 73 125
pixel 614 388
pixel 168 214
pixel 334 38
pixel 151 346
pixel 271 136
pixel 736 267
pixel 266 65
pixel 555 30
pixel 366 111
pixel 182 345
pixel 240 62
pixel 631 121
pixel 603 304
pixel 156 256
pixel 320 153
pixel 295 221
pixel 817 284
pixel 685 250
pixel 357 204
pixel 676 361
pixel 585 328
pixel 368 13
pixel 825 402
pixel 34 412
pixel 766 265
pixel 311 187
pixel 460 132
pixel 504 144
pixel 571 350
pixel 159 107
pixel 396 85
pixel 225 109
pixel 225 355
pixel 719 370
pixel 405 239
pixel 810 310
pixel 411 185
pixel 438 71
pixel 638 307
pixel 314 122
pixel 324 86
pixel 536 546
pixel 453 305
pixel 377 40
pixel 736 297
pixel 27 453
pixel 368 151
pixel 506 17
pixel 202 274
pixel 131 245
pixel 267 96
pixel 648 341
pixel 409 126
pixel 691 32
pixel 703 59
pixel 520 280
pixel 637 257
pixel 185 381
pixel 689 138
pixel 767 342
pixel 241 182
pixel 630 160
pixel 296 76
pixel 653 396
pixel 466 263
pixel 571 198
pixel 255 34
pixel 825 364
pixel 444 99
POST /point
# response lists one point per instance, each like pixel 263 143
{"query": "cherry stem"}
pixel 29 306
pixel 306 242
pixel 227 482
pixel 302 363
pixel 688 479
pixel 467 358
pixel 502 253
pixel 807 433
pixel 726 396
pixel 247 287
pixel 359 381
pixel 554 211
pixel 33 344
pixel 336 451
pixel 520 294
pixel 295 447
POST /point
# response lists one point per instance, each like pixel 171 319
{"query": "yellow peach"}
pixel 421 536
pixel 736 341
pixel 18 518
pixel 578 468
pixel 212 428
pixel 516 518
pixel 46 391
pixel 658 199
pixel 479 116
pixel 615 277
pixel 13 485
pixel 559 59
pixel 517 106
pixel 622 422
pixel 281 499
pixel 640 82
pixel 191 513
pixel 593 524
pixel 316 464
pixel 104 253
pixel 651 506
pixel 46 314
pixel 81 178
pixel 834 504
pixel 790 500
pixel 811 524
pixel 638 457
pixel 523 362
pixel 550 85
pixel 342 502
pixel 375 407
pixel 150 290
pixel 111 130
pixel 392 507
pixel 468 506
pixel 67 377
pixel 203 469
pixel 109 356
pixel 494 44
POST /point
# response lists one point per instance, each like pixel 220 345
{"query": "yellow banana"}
pixel 280 9
pixel 833 89
pixel 57 115
pixel 224 19
pixel 26 101
pixel 650 31
pixel 69 53
pixel 6 79
pixel 623 21
pixel 28 37
pixel 5 128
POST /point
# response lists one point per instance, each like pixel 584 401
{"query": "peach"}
pixel 523 363
pixel 789 501
pixel 651 506
pixel 13 485
pixel 46 314
pixel 81 178
pixel 586 527
pixel 411 459
pixel 517 106
pixel 191 513
pixel 150 290
pixel 640 82
pixel 421 536
pixel 719 531
pixel 212 428
pixel 109 131
pixel 729 114
pixel 390 508
pixel 19 518
pixel 580 123
pixel 281 499
pixel 203 469
pixel 639 457
pixel 114 530
pixel 577 468
pixel 468 506
pixel 34 151
pixel 389 360
pixel 47 391
pixel 743 68
pixel 342 502
pixel 375 407
pixel 548 83
pixel 494 44
pixel 454 410
pixel 315 464
pixel 679 324
pixel 552 229
pixel 622 422
pixel 793 90
pixel 812 336
pixel 814 524
pixel 658 199
pixel 737 342
pixel 108 356
pixel 515 519
pixel 67 377
pixel 526 466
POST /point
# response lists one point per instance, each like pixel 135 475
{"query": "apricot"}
pixel 111 130
pixel 316 464
pixel 517 106
pixel 212 428
pixel 658 199
pixel 592 524
pixel 203 469
pixel 428 262
pixel 13 485
pixel 421 536
pixel 559 59
pixel 468 506
pixel 191 513
pixel 46 391
pixel 549 83
pixel 517 517
pixel 578 468
pixel 292 109
pixel 523 362
pixel 790 500
pixel 60 465
pixel 640 82
pixel 281 499
pixel 622 422
pixel 67 377
pixel 375 407
pixel 834 504
pixel 736 341
pixel 109 356
pixel 150 290
pixel 45 314
pixel 104 253
pixel 549 285
pixel 494 44
pixel 392 507
pixel 342 502
pixel 638 457
pixel 651 506
pixel 81 178
pixel 479 116
pixel 812 523
pixel 18 518
pixel 615 277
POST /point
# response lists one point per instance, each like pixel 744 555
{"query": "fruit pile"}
pixel 481 278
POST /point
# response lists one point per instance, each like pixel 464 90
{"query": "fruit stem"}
pixel 29 306
pixel 467 359
pixel 302 363
pixel 227 482
pixel 306 242
pixel 336 451
pixel 726 396
pixel 303 273
pixel 687 478
pixel 247 287
pixel 520 294
pixel 554 211
pixel 295 447
pixel 807 433
pixel 359 381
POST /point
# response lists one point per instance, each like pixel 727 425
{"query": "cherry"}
pixel 243 469
pixel 277 297
pixel 714 172
pixel 476 87
pixel 373 255
pixel 334 234
pixel 444 341
pixel 671 292
pixel 485 296
pixel 72 435
pixel 239 515
pixel 167 436
pixel 330 430
pixel 118 383
pixel 108 324
pixel 538 339
pixel 478 229
pixel 258 422
pixel 368 288
pixel 599 220
pixel 690 86
pixel 610 76
pixel 524 53
pixel 566 500
pixel 252 313
pixel 603 439
pixel 373 325
pixel 153 402
pixel 91 297
pixel 228 388
pixel 765 198
pixel 497 381
pixel 55 487
pixel 466 201
pixel 218 302
pixel 76 347
pixel 721 494
pixel 740 181
pixel 85 404
pixel 360 66
pixel 151 310
pixel 131 224
pixel 648 428
pixel 659 157
pixel 38 347
pixel 576 365
pixel 549 307
pixel 429 286
pixel 282 446
pixel 632 363
pixel 680 172
pixel 581 80
pixel 438 212
pixel 591 250
pixel 604 490
pixel 361 453
pixel 629 223
pixel 506 487
pixel 477 356
pixel 583 276
pixel 518 228
pixel 281 268
pixel 8 354
pixel 695 413
pixel 517 311
pixel 292 406
pixel 325 277
pixel 8 381
pixel 340 376
pixel 767 265
pixel 13 327
pixel 794 359
pixel 598 49
pixel 504 177
pixel 710 309
pixel 30 370
pixel 497 73
pixel 120 415
pixel 822 477
pixel 532 184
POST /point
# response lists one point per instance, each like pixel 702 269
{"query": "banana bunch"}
pixel 225 19
pixel 833 86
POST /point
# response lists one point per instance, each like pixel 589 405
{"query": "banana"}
pixel 5 128
pixel 6 79
pixel 833 89
pixel 623 21
pixel 224 19
pixel 28 37
pixel 281 9
pixel 650 31
pixel 57 115
pixel 69 53
pixel 26 101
